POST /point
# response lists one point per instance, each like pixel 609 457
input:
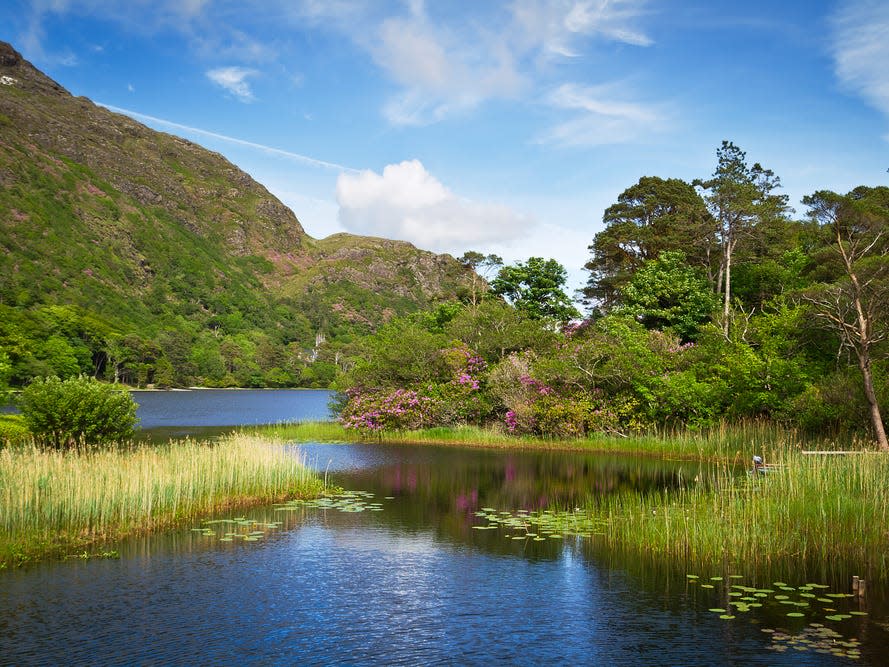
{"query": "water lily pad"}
pixel 717 610
pixel 726 616
pixel 795 614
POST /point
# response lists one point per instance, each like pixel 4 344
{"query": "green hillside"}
pixel 133 254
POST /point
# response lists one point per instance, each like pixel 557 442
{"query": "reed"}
pixel 809 508
pixel 735 442
pixel 52 501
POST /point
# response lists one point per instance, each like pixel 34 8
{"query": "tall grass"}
pixel 51 501
pixel 735 442
pixel 810 508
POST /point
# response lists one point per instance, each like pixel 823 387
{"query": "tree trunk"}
pixel 863 351
pixel 875 416
pixel 727 292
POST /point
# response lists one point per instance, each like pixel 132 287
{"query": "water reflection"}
pixel 412 584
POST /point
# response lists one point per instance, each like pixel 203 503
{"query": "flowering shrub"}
pixel 394 409
pixel 459 400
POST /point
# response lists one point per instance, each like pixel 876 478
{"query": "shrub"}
pixel 13 430
pixel 77 412
pixel 392 410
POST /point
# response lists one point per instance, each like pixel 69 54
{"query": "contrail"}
pixel 232 140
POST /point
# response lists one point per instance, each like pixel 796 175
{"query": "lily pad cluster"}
pixel 347 501
pixel 808 601
pixel 236 529
pixel 539 526
pixel 248 530
pixel 817 638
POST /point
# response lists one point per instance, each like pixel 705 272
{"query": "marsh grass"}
pixel 811 508
pixel 735 442
pixel 51 502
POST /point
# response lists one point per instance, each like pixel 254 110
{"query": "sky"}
pixel 501 127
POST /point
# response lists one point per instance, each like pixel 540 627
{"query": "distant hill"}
pixel 135 254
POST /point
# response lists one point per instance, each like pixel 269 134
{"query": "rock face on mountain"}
pixel 141 228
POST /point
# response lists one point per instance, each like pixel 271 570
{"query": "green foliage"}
pixel 667 293
pixel 402 353
pixel 13 430
pixel 576 415
pixel 536 288
pixel 650 217
pixel 494 330
pixel 77 412
pixel 5 373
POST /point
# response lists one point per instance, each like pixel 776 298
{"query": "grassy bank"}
pixel 727 442
pixel 51 503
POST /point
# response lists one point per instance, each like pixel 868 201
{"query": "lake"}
pixel 405 571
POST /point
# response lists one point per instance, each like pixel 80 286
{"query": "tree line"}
pixel 707 300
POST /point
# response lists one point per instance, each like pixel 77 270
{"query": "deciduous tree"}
pixel 857 305
pixel 536 287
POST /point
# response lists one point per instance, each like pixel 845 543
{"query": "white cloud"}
pixel 601 116
pixel 861 49
pixel 406 202
pixel 451 62
pixel 234 80
pixel 441 69
pixel 556 26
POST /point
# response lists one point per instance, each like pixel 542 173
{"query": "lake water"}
pixel 230 407
pixel 410 581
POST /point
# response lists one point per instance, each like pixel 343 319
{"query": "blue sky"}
pixel 503 127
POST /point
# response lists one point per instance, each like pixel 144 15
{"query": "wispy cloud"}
pixel 557 27
pixel 443 68
pixel 211 29
pixel 407 202
pixel 601 115
pixel 861 49
pixel 269 150
pixel 450 62
pixel 234 80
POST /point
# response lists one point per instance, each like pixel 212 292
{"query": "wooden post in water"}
pixel 856 583
pixel 861 588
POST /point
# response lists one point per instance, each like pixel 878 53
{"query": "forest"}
pixel 708 301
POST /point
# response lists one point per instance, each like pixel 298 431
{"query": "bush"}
pixel 13 430
pixel 77 412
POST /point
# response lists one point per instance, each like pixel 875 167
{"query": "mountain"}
pixel 135 254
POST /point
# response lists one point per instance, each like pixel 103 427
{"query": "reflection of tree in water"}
pixel 444 487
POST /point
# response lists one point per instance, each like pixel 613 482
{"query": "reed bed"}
pixel 52 501
pixel 809 508
pixel 735 442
